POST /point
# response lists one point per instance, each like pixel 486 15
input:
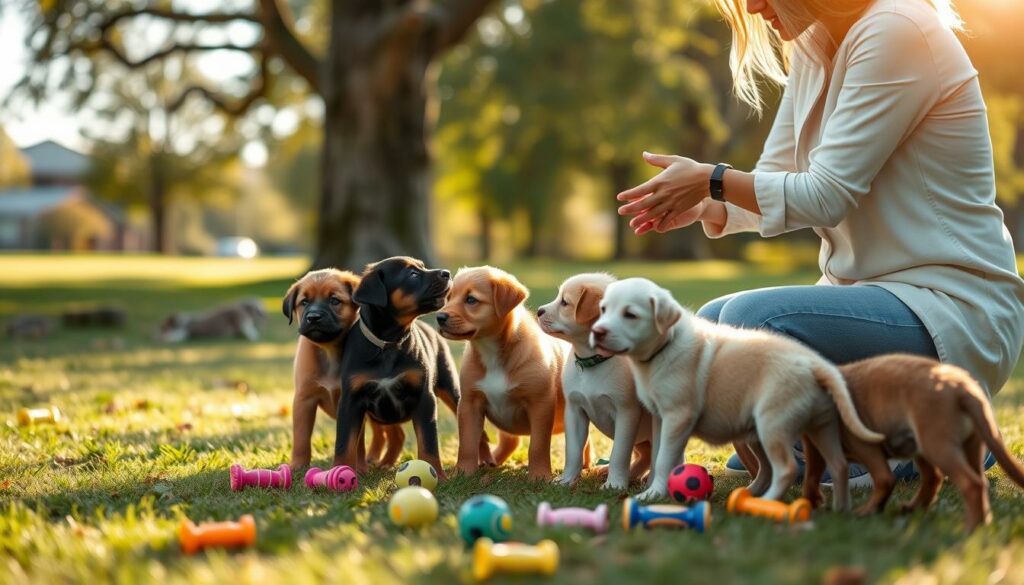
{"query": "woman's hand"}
pixel 674 198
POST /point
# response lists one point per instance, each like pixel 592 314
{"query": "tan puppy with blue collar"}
pixel 598 389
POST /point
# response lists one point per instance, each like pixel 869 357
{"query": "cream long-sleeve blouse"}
pixel 889 161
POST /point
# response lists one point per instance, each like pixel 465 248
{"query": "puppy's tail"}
pixel 832 381
pixel 977 407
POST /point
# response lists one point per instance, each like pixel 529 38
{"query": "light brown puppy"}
pixel 322 302
pixel 511 372
pixel 933 412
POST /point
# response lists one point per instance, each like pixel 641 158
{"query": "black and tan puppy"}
pixel 393 367
pixel 322 302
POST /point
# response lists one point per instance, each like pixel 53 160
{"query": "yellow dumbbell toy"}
pixel 513 557
pixel 31 416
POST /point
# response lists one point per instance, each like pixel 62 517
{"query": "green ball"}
pixel 416 472
pixel 485 516
pixel 413 507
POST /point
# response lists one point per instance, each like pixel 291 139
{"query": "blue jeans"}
pixel 843 323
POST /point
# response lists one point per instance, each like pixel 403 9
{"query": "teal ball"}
pixel 485 516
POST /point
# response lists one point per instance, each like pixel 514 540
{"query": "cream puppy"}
pixel 723 384
pixel 598 389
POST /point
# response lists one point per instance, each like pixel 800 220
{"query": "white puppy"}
pixel 723 384
pixel 597 389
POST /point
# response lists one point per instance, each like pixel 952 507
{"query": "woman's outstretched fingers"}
pixel 640 190
pixel 659 160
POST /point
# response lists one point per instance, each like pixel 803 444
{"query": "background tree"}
pixel 371 65
pixel 14 169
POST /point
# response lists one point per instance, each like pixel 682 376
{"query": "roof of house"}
pixel 31 201
pixel 51 159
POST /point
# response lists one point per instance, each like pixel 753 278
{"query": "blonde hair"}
pixel 759 54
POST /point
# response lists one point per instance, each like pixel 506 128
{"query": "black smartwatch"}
pixel 717 186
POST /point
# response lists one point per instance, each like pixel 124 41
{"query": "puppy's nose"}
pixel 314 316
pixel 599 333
pixel 541 311
pixel 446 274
pixel 442 318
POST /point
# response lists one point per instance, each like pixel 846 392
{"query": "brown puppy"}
pixel 322 301
pixel 935 413
pixel 511 371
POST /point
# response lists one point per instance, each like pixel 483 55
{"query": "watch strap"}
pixel 717 184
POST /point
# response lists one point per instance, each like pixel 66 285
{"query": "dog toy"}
pixel 341 478
pixel 513 557
pixel 696 518
pixel 485 516
pixel 31 416
pixel 242 478
pixel 596 519
pixel 227 534
pixel 690 483
pixel 416 472
pixel 413 506
pixel 741 502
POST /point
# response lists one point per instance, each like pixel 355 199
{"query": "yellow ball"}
pixel 416 472
pixel 413 506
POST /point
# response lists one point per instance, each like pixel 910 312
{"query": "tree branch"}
pixel 105 44
pixel 231 107
pixel 206 17
pixel 457 18
pixel 288 46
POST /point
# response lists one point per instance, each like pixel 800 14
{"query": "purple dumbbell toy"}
pixel 339 479
pixel 261 478
pixel 596 519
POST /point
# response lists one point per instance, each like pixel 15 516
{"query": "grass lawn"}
pixel 149 438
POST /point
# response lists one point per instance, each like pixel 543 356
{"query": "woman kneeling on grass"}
pixel 881 146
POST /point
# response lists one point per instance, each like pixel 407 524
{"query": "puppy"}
pixel 935 413
pixel 724 384
pixel 511 372
pixel 392 365
pixel 239 319
pixel 322 302
pixel 597 388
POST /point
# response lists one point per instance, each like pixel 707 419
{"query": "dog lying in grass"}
pixel 723 384
pixel 935 413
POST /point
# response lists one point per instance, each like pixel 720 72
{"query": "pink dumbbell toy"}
pixel 596 519
pixel 339 479
pixel 242 478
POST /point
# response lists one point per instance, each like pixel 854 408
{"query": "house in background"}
pixel 55 212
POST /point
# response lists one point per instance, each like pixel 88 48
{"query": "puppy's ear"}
pixel 288 305
pixel 508 293
pixel 588 308
pixel 371 290
pixel 666 311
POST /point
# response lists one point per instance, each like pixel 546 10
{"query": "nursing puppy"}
pixel 933 412
pixel 239 319
pixel 322 302
pixel 597 388
pixel 511 372
pixel 723 384
pixel 392 366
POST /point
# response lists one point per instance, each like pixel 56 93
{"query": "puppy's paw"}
pixel 566 480
pixel 652 494
pixel 615 485
pixel 540 474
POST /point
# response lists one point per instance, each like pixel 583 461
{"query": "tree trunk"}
pixel 375 192
pixel 158 205
pixel 618 174
pixel 486 229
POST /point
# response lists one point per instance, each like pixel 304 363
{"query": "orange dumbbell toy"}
pixel 513 557
pixel 741 502
pixel 225 534
pixel 31 416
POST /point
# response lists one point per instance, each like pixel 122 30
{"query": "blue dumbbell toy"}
pixel 697 517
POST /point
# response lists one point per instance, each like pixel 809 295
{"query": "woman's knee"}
pixel 747 310
pixel 713 309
